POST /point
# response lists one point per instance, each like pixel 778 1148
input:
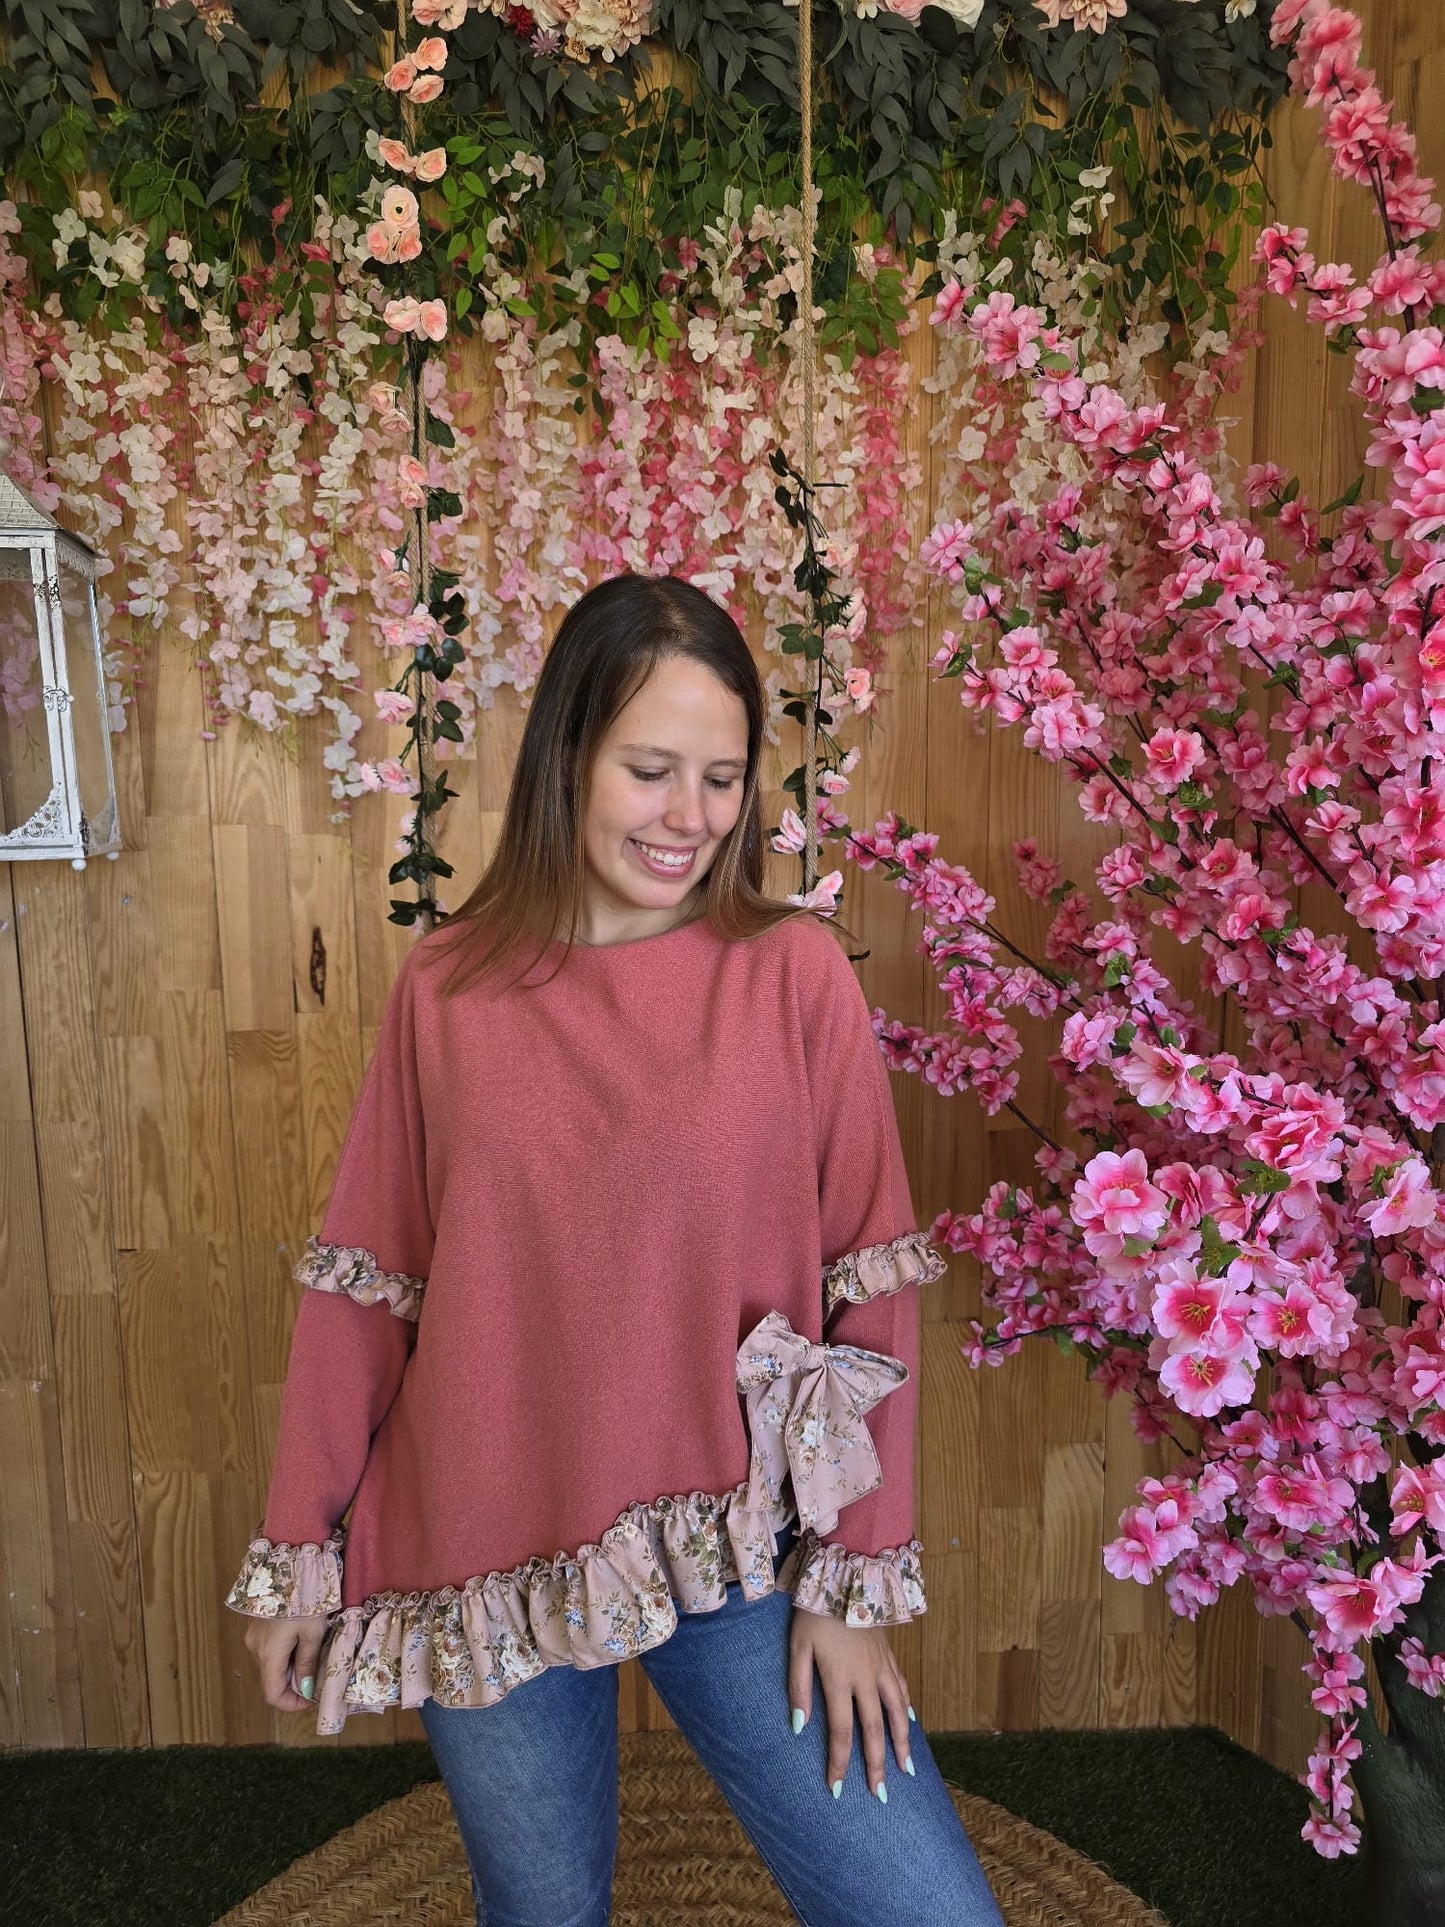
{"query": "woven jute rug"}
pixel 682 1861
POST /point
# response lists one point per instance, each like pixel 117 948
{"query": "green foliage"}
pixel 826 611
pixel 155 58
pixel 911 124
pixel 1259 1180
pixel 1216 1253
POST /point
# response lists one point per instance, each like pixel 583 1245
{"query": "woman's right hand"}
pixel 286 1652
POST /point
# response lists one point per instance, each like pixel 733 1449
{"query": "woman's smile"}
pixel 665 859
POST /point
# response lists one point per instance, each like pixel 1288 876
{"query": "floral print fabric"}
pixel 470 1645
pixel 288 1582
pixel 861 1589
pixel 805 1417
pixel 347 1268
pixel 609 1601
pixel 877 1270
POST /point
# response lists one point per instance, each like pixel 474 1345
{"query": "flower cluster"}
pixel 1247 1237
pixel 1100 14
pixel 417 76
pixel 577 29
pixel 580 29
pixel 299 493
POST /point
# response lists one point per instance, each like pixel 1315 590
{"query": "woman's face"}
pixel 667 787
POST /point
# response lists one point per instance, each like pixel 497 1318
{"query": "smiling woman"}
pixel 618 1261
pixel 635 802
pixel 658 812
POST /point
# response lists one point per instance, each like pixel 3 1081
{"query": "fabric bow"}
pixel 805 1406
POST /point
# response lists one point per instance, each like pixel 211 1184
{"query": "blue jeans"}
pixel 533 1783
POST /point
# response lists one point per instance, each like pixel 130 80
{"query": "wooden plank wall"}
pixel 173 1098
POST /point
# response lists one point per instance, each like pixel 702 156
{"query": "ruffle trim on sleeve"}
pixel 350 1269
pixel 619 1596
pixel 860 1588
pixel 288 1582
pixel 877 1270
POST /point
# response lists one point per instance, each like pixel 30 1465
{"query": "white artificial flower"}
pixel 966 12
pixel 1095 177
pixel 1238 9
pixel 701 337
pixel 866 258
pixel 100 258
pixel 971 444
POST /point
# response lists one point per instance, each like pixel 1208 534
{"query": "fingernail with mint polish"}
pixel 308 1687
pixel 837 1789
pixel 911 1714
pixel 797 1719
pixel 908 1766
pixel 882 1792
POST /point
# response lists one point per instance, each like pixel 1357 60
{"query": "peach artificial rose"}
pixel 394 154
pixel 402 313
pixel 381 241
pixel 399 207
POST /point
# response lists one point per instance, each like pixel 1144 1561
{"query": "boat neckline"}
pixel 579 947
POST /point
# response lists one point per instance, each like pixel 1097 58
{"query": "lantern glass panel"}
pixel 87 705
pixel 26 779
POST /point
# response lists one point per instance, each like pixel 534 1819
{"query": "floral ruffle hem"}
pixel 469 1645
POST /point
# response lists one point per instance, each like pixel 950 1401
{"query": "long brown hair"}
pixel 606 647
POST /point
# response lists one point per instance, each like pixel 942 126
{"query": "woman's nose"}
pixel 685 812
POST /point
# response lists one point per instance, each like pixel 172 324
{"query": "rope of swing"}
pixel 808 348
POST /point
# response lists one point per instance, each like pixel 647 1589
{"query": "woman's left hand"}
pixel 857 1668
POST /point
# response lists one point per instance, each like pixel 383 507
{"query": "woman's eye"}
pixel 658 775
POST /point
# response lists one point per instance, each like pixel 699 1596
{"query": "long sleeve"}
pixel 867 1569
pixel 364 1279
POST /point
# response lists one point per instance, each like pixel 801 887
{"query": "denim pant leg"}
pixel 723 1676
pixel 533 1783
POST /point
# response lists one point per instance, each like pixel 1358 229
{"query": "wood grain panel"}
pixel 67 1446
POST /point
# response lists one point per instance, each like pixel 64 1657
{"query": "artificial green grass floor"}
pixel 174 1837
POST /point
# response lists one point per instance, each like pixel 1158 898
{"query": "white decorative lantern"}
pixel 57 784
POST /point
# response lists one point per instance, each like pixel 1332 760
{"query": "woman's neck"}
pixel 602 923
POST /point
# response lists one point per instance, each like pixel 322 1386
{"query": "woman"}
pixel 624 1148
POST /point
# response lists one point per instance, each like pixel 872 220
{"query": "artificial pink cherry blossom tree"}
pixel 1249 1242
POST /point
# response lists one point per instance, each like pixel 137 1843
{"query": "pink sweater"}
pixel 562 1348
